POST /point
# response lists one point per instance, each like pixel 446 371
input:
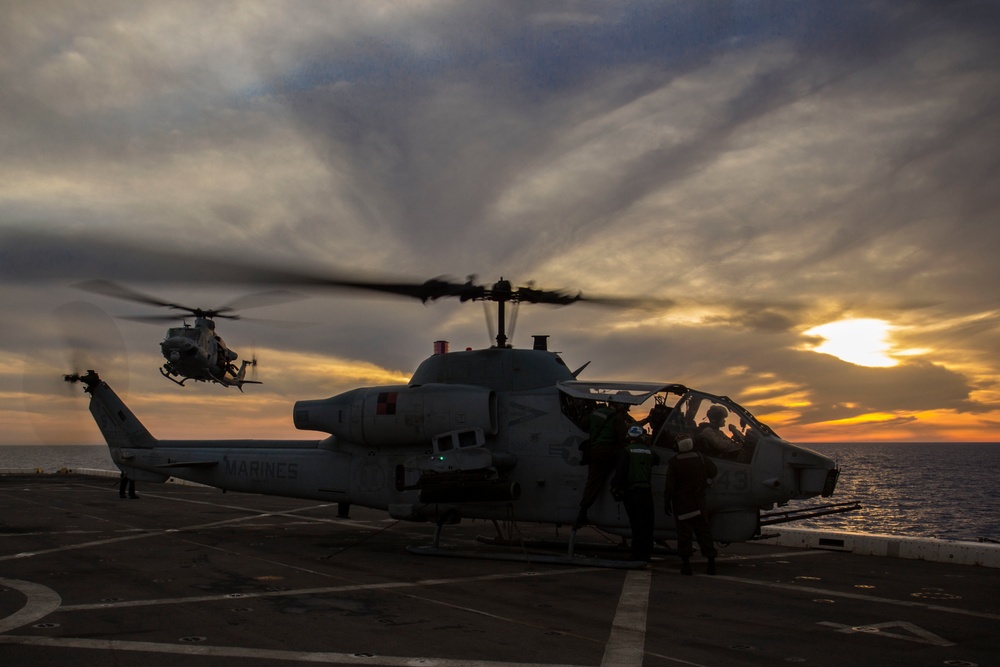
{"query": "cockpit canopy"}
pixel 717 425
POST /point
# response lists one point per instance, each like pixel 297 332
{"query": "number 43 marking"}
pixel 732 480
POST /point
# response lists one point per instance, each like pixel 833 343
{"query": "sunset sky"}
pixel 815 184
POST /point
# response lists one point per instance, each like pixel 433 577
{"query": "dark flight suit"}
pixel 632 484
pixel 688 474
pixel 126 483
pixel 607 429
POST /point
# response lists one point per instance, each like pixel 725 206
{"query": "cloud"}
pixel 771 167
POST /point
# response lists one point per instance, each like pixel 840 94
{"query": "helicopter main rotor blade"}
pixel 122 262
pixel 429 290
pixel 629 302
pixel 116 291
pixel 261 299
pixel 158 319
pixel 178 316
pixel 153 319
pixel 434 289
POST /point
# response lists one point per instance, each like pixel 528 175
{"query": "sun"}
pixel 864 342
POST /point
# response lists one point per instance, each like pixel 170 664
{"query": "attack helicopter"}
pixel 192 352
pixel 490 434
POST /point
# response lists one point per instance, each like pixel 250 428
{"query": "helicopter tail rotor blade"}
pixel 92 340
pixel 84 338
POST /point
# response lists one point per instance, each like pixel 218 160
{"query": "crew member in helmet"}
pixel 687 478
pixel 710 433
pixel 632 485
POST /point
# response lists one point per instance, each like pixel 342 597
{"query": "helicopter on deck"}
pixel 192 352
pixel 489 434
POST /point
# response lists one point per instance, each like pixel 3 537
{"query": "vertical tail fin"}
pixel 129 441
pixel 120 428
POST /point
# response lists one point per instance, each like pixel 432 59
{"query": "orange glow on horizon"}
pixel 927 426
pixel 200 411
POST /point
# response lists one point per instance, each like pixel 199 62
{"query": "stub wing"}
pixel 189 464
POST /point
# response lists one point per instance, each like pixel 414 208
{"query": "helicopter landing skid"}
pixel 569 558
pixel 662 550
pixel 177 382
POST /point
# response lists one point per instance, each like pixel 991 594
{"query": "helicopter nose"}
pixel 175 348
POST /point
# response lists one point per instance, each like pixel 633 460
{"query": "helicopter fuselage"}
pixel 197 353
pixel 489 434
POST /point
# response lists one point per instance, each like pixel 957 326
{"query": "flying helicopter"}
pixel 192 352
pixel 490 434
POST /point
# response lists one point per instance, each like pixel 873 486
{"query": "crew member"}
pixel 632 485
pixel 688 475
pixel 710 432
pixel 607 434
pixel 126 483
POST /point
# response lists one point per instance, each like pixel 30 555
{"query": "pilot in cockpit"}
pixel 710 432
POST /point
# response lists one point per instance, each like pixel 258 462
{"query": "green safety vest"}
pixel 638 461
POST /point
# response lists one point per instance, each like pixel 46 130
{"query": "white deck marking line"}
pixel 626 646
pixel 158 496
pixel 321 505
pixel 860 596
pixel 917 634
pixel 144 535
pixel 192 501
pixel 324 590
pixel 627 642
pixel 267 654
pixel 42 601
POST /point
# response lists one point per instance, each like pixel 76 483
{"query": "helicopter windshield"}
pixel 718 426
pixel 184 332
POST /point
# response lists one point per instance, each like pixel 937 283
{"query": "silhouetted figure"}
pixel 711 435
pixel 607 434
pixel 688 476
pixel 129 483
pixel 632 485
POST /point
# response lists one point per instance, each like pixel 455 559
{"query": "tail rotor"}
pixel 79 338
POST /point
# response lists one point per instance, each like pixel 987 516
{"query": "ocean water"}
pixel 949 491
pixel 52 458
pixel 944 490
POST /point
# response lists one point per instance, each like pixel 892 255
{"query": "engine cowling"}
pixel 400 415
